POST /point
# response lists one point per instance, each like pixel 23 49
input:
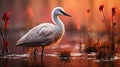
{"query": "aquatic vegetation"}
pixel 90 49
pixel 103 50
pixel 64 55
pixel 4 35
pixel 107 51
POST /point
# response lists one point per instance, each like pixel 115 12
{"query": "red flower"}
pixel 114 24
pixel 88 10
pixel 6 43
pixel 6 16
pixel 101 7
pixel 113 11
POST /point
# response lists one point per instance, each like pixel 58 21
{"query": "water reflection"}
pixel 107 64
pixel 42 60
pixel 5 62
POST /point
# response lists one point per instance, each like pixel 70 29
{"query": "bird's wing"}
pixel 40 35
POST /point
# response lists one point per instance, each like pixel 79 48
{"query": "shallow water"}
pixel 52 60
pixel 20 58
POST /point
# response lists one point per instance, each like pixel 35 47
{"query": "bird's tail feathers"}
pixel 19 43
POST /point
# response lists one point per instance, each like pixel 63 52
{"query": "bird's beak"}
pixel 66 14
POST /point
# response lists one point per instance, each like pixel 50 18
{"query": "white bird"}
pixel 45 34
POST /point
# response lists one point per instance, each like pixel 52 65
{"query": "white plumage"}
pixel 45 34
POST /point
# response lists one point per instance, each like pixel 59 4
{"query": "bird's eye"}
pixel 61 11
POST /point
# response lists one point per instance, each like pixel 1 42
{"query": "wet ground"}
pixel 21 57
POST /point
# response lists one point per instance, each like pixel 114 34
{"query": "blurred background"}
pixel 25 14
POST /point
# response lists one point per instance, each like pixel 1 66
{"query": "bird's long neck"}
pixel 58 22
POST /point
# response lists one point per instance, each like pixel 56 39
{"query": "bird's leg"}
pixel 35 54
pixel 35 51
pixel 42 52
pixel 42 62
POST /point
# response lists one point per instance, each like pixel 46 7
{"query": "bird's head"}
pixel 59 11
